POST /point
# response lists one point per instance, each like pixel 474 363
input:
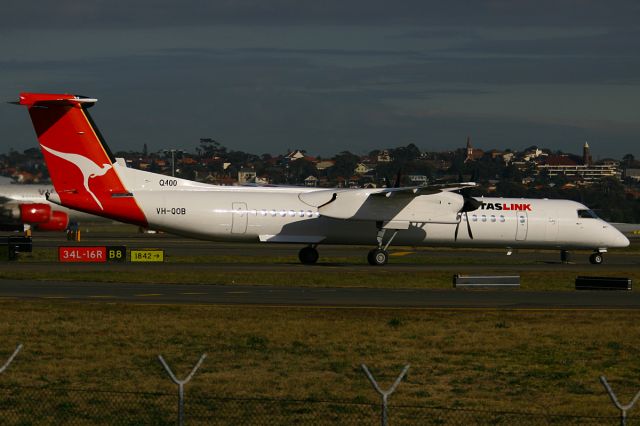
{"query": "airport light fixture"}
pixel 173 158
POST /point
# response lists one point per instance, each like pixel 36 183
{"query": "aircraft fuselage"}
pixel 272 214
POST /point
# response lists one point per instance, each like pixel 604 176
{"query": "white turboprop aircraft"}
pixel 87 178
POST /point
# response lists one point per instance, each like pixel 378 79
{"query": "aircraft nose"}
pixel 619 240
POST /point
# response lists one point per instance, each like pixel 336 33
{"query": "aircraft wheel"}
pixel 378 257
pixel 596 258
pixel 308 255
pixel 564 256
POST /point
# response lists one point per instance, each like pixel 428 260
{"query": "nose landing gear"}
pixel 596 258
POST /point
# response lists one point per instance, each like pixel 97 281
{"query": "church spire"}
pixel 469 150
pixel 586 154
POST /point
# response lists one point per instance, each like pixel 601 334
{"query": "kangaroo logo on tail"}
pixel 88 168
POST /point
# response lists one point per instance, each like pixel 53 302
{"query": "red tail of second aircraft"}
pixel 79 162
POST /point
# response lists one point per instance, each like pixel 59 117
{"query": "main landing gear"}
pixel 379 256
pixel 596 258
pixel 308 255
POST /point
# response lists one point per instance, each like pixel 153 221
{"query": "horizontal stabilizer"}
pixel 46 99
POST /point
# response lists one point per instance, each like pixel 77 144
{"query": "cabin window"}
pixel 502 219
pixel 484 217
pixel 587 214
pixel 273 212
pixel 264 212
pixel 493 218
pixel 283 213
pixel 474 218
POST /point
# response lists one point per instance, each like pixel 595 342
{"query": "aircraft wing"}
pixel 438 204
pixel 423 189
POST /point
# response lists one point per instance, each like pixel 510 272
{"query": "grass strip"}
pixel 539 360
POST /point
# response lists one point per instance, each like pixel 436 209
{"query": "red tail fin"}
pixel 79 161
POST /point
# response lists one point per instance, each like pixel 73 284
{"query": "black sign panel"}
pixel 116 253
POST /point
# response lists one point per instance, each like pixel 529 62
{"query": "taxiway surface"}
pixel 320 297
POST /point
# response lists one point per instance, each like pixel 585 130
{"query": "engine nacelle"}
pixel 57 222
pixel 34 213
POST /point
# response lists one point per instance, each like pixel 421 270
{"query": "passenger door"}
pixel 522 225
pixel 239 218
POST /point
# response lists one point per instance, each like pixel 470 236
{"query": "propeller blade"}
pixel 398 178
pixel 468 225
pixel 470 204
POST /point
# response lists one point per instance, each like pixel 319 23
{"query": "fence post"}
pixel 385 394
pixel 10 360
pixel 623 408
pixel 181 384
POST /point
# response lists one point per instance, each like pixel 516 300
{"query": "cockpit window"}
pixel 587 214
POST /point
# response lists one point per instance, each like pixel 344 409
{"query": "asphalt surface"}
pixel 235 257
pixel 232 256
pixel 320 297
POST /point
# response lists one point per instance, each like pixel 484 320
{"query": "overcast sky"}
pixel 326 76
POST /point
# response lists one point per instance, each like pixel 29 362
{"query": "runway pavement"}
pixel 424 259
pixel 232 256
pixel 319 297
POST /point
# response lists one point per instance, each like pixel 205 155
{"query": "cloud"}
pixel 153 13
pixel 326 76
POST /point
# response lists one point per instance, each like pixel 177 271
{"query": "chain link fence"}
pixel 30 405
pixel 22 405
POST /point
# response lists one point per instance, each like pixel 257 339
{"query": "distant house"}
pixel 311 181
pixel 494 153
pixel 632 174
pixel 294 155
pixel 187 161
pixel 417 179
pixel 559 160
pixel 362 169
pixel 533 154
pixel 384 157
pixel 246 176
pixel 564 165
pixel 324 164
pixel 507 157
